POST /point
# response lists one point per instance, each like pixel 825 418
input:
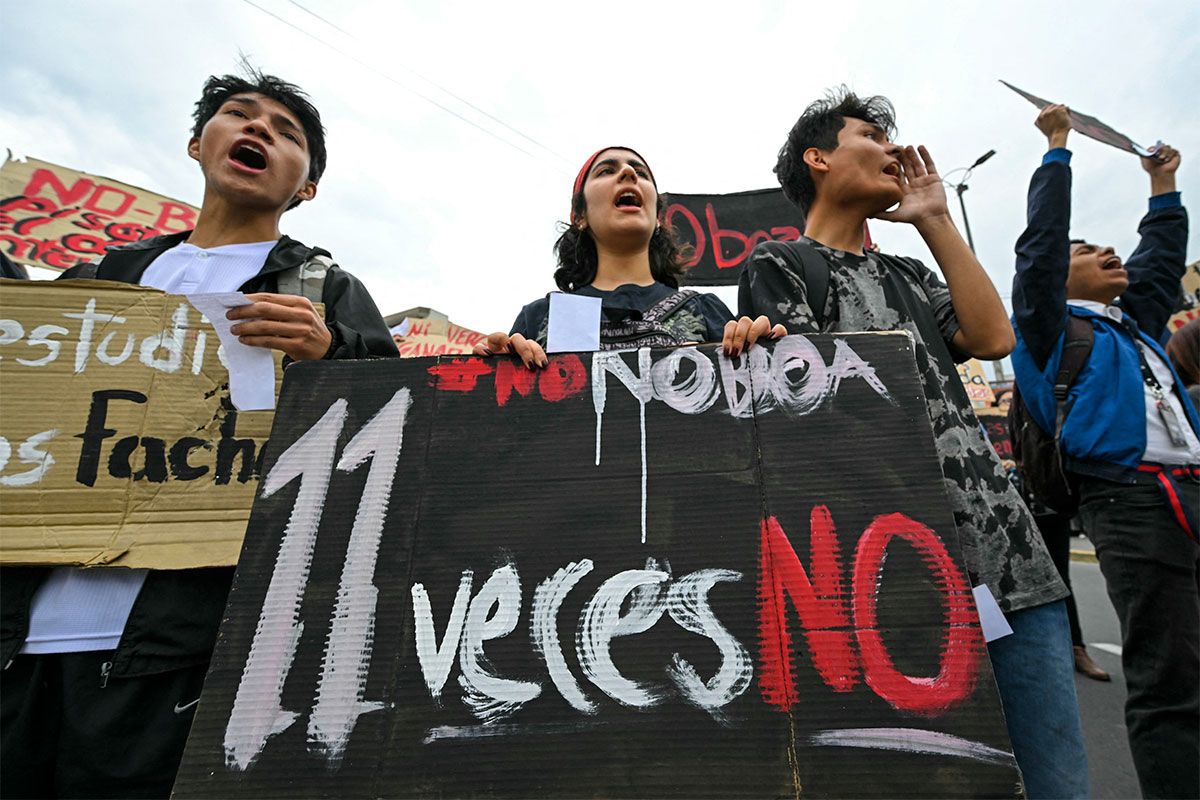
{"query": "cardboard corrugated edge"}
pixel 126 544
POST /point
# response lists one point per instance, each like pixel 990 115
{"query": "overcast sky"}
pixel 428 209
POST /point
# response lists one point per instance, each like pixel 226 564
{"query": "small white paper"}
pixel 991 618
pixel 251 369
pixel 574 324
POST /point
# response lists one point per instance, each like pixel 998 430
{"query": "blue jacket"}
pixel 1104 432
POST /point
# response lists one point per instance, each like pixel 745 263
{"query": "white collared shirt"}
pixel 86 609
pixel 187 269
pixel 1159 448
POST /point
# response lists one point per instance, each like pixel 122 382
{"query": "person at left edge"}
pixel 104 666
pixel 617 248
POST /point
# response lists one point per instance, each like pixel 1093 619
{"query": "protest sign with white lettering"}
pixel 118 443
pixel 630 574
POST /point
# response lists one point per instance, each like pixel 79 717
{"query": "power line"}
pixel 441 88
pixel 389 78
pixel 318 16
pixel 307 11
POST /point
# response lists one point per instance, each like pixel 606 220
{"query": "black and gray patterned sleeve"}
pixel 768 286
pixel 942 306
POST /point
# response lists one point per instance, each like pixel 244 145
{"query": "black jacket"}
pixel 174 621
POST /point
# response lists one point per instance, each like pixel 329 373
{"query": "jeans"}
pixel 1035 675
pixel 1151 571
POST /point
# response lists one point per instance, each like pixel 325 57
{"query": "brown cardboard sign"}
pixel 416 338
pixel 975 381
pixel 55 217
pixel 1189 304
pixel 631 574
pixel 118 445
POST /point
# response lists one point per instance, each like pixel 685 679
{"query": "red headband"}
pixel 587 165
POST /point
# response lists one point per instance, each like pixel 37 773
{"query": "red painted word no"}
pixel 841 627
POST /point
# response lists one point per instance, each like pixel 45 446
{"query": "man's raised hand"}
pixel 283 322
pixel 1055 122
pixel 924 195
pixel 1162 166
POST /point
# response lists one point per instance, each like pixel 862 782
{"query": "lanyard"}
pixel 1170 419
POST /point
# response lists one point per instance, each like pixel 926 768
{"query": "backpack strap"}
pixel 1077 347
pixel 663 309
pixel 812 269
pixel 815 271
pixel 87 271
pixel 306 280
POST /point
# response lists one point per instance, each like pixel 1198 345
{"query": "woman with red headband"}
pixel 616 248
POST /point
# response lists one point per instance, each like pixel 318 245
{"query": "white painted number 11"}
pixel 257 711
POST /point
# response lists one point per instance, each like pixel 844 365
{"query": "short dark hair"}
pixel 818 127
pixel 218 89
pixel 578 260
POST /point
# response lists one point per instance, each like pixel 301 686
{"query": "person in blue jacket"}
pixel 1131 437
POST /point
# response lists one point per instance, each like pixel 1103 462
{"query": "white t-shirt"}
pixel 1159 447
pixel 86 609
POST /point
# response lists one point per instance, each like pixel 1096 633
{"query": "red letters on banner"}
pixel 104 215
pixel 834 619
pixel 729 247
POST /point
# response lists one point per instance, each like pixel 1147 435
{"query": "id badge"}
pixel 1174 426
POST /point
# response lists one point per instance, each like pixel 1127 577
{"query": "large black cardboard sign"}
pixel 722 229
pixel 639 574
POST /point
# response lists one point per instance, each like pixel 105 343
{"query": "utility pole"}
pixel 961 187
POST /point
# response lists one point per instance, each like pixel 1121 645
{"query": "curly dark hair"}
pixel 218 89
pixel 818 127
pixel 578 261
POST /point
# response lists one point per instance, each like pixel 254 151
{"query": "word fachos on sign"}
pixel 118 443
pixel 635 574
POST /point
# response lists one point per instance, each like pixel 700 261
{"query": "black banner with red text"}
pixel 630 574
pixel 722 229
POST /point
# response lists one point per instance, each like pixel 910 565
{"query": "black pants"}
pixel 1152 571
pixel 63 735
pixel 1056 533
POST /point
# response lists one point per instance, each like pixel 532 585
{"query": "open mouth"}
pixel 1111 263
pixel 892 170
pixel 629 200
pixel 249 156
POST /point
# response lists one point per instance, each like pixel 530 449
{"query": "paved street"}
pixel 1101 704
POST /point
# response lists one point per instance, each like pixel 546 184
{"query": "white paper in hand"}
pixel 574 324
pixel 251 369
pixel 991 618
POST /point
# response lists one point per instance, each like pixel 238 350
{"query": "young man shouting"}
pixel 1128 434
pixel 103 667
pixel 840 166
